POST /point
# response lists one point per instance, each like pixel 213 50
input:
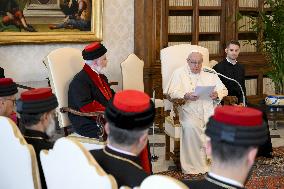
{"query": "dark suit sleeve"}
pixel 243 80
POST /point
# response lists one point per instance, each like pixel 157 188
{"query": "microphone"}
pixel 214 72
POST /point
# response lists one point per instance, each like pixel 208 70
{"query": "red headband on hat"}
pixel 6 81
pixel 131 101
pixel 36 94
pixel 235 115
pixel 92 47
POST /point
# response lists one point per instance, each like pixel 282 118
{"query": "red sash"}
pixel 103 87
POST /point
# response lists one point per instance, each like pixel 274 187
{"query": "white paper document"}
pixel 204 91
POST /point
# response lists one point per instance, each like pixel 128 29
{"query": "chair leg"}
pixel 167 150
pixel 177 154
pixel 65 131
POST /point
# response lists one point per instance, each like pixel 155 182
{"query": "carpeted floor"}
pixel 266 173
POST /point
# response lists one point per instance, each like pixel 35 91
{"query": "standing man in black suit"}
pixel 231 68
pixel 37 112
pixel 129 116
pixel 234 132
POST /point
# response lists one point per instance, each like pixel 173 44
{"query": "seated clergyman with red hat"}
pixel 8 91
pixel 234 136
pixel 129 116
pixel 89 90
pixel 37 112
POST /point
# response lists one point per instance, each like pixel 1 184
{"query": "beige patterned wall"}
pixel 24 62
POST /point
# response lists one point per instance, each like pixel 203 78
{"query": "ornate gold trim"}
pixel 94 163
pixel 35 171
pixel 91 161
pixel 40 138
pixel 87 140
pixel 123 159
pixel 96 33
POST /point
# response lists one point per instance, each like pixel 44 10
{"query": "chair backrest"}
pixel 18 163
pixel 63 64
pixel 69 160
pixel 132 73
pixel 175 56
pixel 161 181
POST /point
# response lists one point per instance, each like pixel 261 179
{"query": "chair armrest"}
pixel 99 114
pixel 113 83
pixel 176 103
pixel 230 100
pixel 75 112
pixel 24 86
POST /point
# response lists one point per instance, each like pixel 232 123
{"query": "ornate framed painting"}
pixel 46 21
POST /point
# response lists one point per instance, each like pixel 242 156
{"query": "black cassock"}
pixel 39 141
pixel 88 92
pixel 210 183
pixel 126 169
pixel 236 72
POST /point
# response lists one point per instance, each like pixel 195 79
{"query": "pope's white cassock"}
pixel 194 116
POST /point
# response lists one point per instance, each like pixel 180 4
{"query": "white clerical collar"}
pixel 120 151
pixel 230 61
pixel 226 180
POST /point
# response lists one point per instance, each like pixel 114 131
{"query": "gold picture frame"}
pixel 95 33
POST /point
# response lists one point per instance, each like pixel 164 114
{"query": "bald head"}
pixel 194 61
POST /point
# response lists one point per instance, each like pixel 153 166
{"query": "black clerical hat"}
pixel 237 125
pixel 7 87
pixel 93 51
pixel 130 109
pixel 37 101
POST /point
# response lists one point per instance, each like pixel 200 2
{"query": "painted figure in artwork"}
pixel 10 14
pixel 80 20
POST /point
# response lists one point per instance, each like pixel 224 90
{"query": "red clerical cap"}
pixel 37 101
pixel 93 51
pixel 6 81
pixel 36 94
pixel 7 87
pixel 237 115
pixel 92 47
pixel 131 101
pixel 130 109
pixel 237 125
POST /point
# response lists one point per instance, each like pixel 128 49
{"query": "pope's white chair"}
pixel 69 159
pixel 161 181
pixel 132 77
pixel 62 65
pixel 172 58
pixel 18 163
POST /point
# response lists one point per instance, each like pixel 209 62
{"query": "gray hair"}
pixel 124 137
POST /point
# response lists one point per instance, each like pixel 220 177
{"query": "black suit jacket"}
pixel 39 141
pixel 120 166
pixel 236 72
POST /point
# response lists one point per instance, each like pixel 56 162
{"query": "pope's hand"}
pixel 191 96
pixel 214 95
